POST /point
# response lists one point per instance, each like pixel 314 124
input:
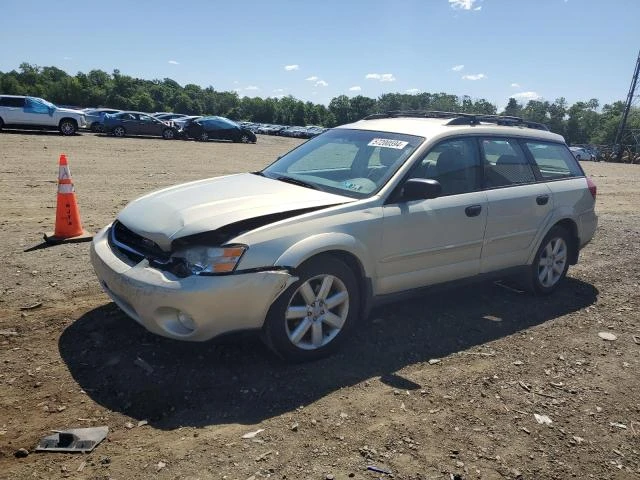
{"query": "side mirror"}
pixel 421 189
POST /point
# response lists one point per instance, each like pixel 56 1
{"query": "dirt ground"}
pixel 444 386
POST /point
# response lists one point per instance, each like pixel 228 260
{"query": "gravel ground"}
pixel 444 385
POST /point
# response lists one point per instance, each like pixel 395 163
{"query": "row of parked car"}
pixel 585 152
pixel 309 131
pixel 26 112
pixel 167 125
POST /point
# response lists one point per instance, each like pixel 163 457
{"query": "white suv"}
pixel 17 111
pixel 304 248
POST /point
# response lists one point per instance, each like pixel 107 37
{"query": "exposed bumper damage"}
pixel 195 308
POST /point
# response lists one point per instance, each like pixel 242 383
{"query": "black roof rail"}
pixel 458 118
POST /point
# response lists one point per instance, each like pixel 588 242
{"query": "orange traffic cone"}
pixel 68 224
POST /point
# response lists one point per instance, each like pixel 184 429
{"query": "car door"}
pixel 12 110
pixel 148 125
pixel 519 205
pixel 37 112
pixel 436 240
pixel 130 123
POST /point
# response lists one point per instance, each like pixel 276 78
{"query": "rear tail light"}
pixel 592 187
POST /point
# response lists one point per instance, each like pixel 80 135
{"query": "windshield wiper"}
pixel 295 181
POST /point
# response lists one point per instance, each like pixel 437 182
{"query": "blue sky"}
pixel 490 49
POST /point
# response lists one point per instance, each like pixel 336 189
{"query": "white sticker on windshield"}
pixel 388 143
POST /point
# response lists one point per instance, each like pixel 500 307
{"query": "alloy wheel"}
pixel 553 260
pixel 317 312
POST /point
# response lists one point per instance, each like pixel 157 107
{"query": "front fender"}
pixel 324 242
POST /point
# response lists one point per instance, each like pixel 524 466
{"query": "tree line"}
pixel 581 123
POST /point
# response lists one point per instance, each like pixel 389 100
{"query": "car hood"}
pixel 69 110
pixel 207 205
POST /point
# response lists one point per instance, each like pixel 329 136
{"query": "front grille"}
pixel 134 246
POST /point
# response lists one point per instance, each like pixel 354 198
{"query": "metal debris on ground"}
pixel 373 468
pixel 618 425
pixel 32 306
pixel 73 440
pixel 143 365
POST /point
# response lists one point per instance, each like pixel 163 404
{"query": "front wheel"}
pixel 68 127
pixel 203 137
pixel 119 132
pixel 551 262
pixel 316 313
pixel 245 138
pixel 168 134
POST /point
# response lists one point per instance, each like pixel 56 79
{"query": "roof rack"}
pixel 458 118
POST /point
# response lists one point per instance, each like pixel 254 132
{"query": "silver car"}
pixel 359 214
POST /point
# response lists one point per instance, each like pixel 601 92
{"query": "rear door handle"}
pixel 473 210
pixel 542 199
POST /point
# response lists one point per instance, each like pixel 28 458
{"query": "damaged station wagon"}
pixel 304 248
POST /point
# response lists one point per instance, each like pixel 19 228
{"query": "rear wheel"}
pixel 203 137
pixel 316 313
pixel 67 127
pixel 119 132
pixel 97 127
pixel 168 134
pixel 1 124
pixel 551 262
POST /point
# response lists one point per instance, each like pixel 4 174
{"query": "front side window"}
pixel 454 164
pixel 505 163
pixel 553 160
pixel 355 163
pixel 38 105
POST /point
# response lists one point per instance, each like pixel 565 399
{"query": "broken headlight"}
pixel 200 259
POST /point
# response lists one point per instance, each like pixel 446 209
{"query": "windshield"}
pixel 355 163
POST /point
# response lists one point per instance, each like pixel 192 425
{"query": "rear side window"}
pixel 553 160
pixel 11 102
pixel 505 163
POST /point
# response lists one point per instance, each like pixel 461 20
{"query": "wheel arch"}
pixel 342 246
pixel 70 119
pixel 570 226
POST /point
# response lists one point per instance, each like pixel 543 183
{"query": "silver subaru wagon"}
pixel 392 203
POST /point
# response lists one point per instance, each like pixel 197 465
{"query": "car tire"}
pixel 203 137
pixel 551 262
pixel 316 313
pixel 97 127
pixel 168 134
pixel 67 127
pixel 119 132
pixel 1 124
pixel 244 138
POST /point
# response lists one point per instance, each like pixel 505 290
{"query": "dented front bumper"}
pixel 211 305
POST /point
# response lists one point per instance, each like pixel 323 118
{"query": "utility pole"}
pixel 617 146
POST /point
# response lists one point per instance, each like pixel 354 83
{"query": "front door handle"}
pixel 473 210
pixel 542 199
